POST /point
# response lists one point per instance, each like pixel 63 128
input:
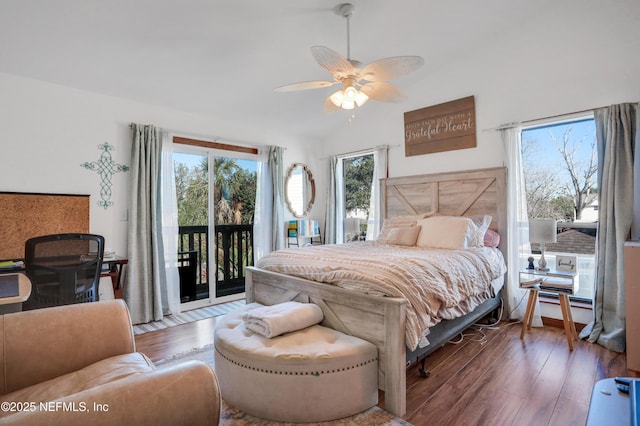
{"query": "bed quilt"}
pixel 437 284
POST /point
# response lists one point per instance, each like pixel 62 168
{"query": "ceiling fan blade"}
pixel 383 92
pixel 390 68
pixel 329 106
pixel 305 85
pixel 332 61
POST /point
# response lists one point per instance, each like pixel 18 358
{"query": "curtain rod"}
pixel 541 119
pixel 214 139
pixel 361 151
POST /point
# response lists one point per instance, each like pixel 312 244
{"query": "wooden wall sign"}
pixel 443 127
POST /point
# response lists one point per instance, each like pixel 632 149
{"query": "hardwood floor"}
pixel 174 340
pixel 498 380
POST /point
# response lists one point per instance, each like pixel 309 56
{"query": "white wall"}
pixel 48 131
pixel 582 56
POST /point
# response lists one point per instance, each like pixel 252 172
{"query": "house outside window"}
pixel 560 172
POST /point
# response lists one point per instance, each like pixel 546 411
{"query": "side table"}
pixel 561 283
pixel 114 271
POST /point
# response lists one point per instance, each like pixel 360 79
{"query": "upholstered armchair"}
pixel 77 365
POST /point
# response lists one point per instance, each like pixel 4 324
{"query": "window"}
pixel 560 172
pixel 358 177
pixel 355 210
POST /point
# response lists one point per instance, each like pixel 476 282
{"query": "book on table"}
pixel 527 283
pixel 564 285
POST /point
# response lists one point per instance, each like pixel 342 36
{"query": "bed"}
pixel 383 320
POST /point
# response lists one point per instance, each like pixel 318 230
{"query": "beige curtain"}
pixel 333 222
pixel 518 246
pixel 380 171
pixel 152 277
pixel 276 173
pixel 616 133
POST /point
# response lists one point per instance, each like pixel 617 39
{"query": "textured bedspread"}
pixel 438 284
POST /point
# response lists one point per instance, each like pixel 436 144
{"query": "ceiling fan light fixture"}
pixel 337 98
pixel 361 98
pixel 348 104
pixel 350 93
pixel 353 76
pixel 348 98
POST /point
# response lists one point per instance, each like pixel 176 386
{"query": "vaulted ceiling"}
pixel 224 58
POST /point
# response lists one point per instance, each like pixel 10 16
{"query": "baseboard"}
pixel 554 322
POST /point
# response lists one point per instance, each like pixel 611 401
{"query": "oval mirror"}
pixel 299 190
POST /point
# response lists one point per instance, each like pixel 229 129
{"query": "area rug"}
pixel 187 317
pixel 232 416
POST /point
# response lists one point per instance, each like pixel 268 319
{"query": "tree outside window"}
pixel 560 173
pixel 358 175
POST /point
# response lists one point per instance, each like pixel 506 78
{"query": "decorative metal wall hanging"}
pixel 106 168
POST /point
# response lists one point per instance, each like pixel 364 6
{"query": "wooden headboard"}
pixel 464 193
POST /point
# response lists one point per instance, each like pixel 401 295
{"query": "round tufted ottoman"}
pixel 310 375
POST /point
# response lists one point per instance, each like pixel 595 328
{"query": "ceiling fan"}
pixel 359 83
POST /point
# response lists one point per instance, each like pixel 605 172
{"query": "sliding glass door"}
pixel 235 183
pixel 216 198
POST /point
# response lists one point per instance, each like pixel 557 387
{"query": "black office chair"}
pixel 63 268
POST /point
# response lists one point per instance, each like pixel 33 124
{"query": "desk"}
pixel 114 271
pixel 16 288
pixel 560 283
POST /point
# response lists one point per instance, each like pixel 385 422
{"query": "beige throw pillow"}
pixel 397 222
pixel 403 236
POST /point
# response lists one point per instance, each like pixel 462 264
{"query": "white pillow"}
pixel 482 222
pixel 406 236
pixel 449 232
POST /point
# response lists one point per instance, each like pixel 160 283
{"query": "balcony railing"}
pixel 234 252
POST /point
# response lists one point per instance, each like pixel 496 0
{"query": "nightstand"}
pixel 563 284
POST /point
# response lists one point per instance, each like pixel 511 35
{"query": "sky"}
pixel 543 152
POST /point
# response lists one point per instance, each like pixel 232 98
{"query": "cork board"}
pixel 27 215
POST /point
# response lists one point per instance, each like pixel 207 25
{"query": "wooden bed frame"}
pixel 381 320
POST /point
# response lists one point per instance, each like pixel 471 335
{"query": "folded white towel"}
pixel 272 321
